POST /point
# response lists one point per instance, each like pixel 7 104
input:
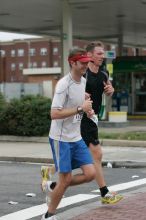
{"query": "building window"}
pixel 43 51
pixel 13 66
pixel 13 53
pixel 32 51
pixel 2 53
pixel 20 66
pixel 55 50
pixel 44 64
pixel 125 51
pixel 55 63
pixel 20 52
pixel 34 64
pixel 30 65
pixel 76 46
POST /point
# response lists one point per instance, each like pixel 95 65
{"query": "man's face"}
pixel 97 55
pixel 80 67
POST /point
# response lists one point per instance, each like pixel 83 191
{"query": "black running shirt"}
pixel 95 87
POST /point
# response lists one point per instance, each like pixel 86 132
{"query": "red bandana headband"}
pixel 79 57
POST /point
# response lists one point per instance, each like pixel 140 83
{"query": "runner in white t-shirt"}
pixel 68 94
pixel 68 148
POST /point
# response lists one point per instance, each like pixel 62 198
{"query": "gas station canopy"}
pixel 108 20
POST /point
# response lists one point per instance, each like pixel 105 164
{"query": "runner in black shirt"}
pixel 97 84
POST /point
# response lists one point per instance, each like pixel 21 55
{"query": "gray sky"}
pixel 5 36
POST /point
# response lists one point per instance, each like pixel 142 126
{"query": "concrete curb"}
pixel 125 164
pixel 104 142
pixel 115 164
pixel 26 159
pixel 123 143
pixel 10 138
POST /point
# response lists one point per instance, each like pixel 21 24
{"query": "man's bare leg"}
pixel 65 180
pixel 96 152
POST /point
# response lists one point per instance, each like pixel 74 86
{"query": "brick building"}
pixel 38 61
pixel 19 55
pixel 33 54
pixel 37 54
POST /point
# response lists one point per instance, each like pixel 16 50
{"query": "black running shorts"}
pixel 89 131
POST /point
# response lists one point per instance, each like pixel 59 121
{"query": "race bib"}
pixel 77 118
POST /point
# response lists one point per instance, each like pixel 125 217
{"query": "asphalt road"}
pixel 18 179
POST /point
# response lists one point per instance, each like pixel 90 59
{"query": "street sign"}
pixel 110 54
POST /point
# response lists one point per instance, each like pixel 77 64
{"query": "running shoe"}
pixel 48 190
pixel 111 198
pixel 49 218
pixel 46 173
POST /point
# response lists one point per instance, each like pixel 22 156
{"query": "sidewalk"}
pixel 132 207
pixel 41 153
pixel 118 153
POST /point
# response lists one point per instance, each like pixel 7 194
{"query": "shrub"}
pixel 2 101
pixel 28 116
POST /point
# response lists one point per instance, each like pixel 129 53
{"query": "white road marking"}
pixel 124 186
pixel 40 209
pixel 75 199
pixel 26 213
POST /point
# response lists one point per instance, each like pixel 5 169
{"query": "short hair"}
pixel 76 51
pixel 91 46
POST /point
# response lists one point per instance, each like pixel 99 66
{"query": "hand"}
pixel 90 113
pixel 87 105
pixel 108 88
pixel 87 95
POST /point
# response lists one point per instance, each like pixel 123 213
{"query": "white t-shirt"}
pixel 68 94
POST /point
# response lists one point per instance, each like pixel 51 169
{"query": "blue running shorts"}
pixel 70 155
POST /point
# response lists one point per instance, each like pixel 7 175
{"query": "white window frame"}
pixel 55 50
pixel 34 65
pixel 43 51
pixel 20 52
pixel 13 53
pixel 55 63
pixel 32 51
pixel 30 65
pixel 2 53
pixel 21 66
pixel 13 66
pixel 44 64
